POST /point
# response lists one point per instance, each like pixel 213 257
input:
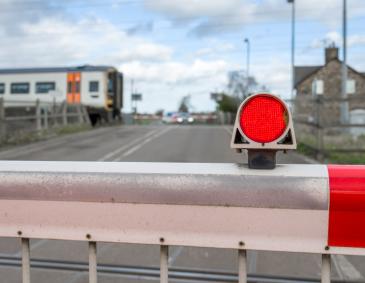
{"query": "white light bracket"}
pixel 263 155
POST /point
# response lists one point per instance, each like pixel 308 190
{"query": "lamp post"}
pixel 292 2
pixel 247 41
pixel 344 103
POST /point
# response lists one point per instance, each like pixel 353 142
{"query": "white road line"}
pixel 229 131
pixel 345 269
pixel 138 146
pixel 33 246
pixel 126 146
pixel 174 256
pixel 252 262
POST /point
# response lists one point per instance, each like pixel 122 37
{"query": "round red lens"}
pixel 263 118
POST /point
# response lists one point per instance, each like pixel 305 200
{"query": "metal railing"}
pixel 17 116
pixel 168 204
pixel 320 130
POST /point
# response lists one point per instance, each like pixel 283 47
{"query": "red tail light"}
pixel 263 118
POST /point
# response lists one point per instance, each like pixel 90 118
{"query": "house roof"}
pixel 302 72
pixel 84 68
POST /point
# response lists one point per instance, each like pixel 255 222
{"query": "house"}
pixel 325 81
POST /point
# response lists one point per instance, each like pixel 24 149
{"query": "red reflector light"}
pixel 263 118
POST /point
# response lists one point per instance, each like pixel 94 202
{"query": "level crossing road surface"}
pixel 156 143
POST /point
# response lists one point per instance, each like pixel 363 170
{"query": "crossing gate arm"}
pixel 205 205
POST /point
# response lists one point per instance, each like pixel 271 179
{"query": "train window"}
pixel 69 87
pixel 110 86
pixel 19 88
pixel 93 86
pixel 45 87
pixel 77 86
pixel 2 88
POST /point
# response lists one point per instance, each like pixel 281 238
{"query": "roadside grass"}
pixel 22 137
pixel 347 158
pixel 331 157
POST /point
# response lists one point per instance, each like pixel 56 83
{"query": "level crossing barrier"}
pixel 294 208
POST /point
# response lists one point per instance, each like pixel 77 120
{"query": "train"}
pixel 98 88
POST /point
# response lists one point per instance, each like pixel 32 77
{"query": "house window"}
pixel 2 88
pixel 351 86
pixel 317 87
pixel 93 86
pixel 19 88
pixel 45 87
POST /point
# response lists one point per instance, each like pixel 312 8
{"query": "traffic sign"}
pixel 136 97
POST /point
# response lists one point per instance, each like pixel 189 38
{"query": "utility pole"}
pixel 344 103
pixel 132 92
pixel 247 41
pixel 292 48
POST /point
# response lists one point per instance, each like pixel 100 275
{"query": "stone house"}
pixel 324 82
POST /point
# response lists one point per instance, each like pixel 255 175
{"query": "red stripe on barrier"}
pixel 346 226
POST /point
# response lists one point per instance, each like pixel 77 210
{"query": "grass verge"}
pixel 22 138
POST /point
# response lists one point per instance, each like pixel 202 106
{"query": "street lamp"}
pixel 292 47
pixel 247 41
pixel 344 103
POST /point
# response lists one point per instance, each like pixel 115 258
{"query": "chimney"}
pixel 331 53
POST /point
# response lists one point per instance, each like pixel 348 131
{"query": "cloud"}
pixel 218 48
pixel 56 41
pixel 336 38
pixel 218 16
pixel 275 74
pixel 141 28
pixel 174 72
pixel 15 13
pixel 164 84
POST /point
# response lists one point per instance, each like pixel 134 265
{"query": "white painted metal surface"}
pixel 242 266
pixel 326 269
pixel 288 187
pixel 92 263
pixel 207 205
pixel 203 205
pixel 25 260
pixel 164 256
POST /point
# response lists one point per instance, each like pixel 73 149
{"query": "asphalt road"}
pixel 155 144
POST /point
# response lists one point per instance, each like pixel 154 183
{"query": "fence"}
pixel 320 131
pixel 294 208
pixel 18 118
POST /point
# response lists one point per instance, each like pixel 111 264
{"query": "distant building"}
pixel 325 80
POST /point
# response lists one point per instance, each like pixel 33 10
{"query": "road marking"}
pixel 138 146
pixel 174 256
pixel 345 269
pixel 126 146
pixel 228 130
pixel 252 262
pixel 33 246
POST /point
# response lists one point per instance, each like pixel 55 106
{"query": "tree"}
pixel 159 112
pixel 227 103
pixel 185 104
pixel 240 85
pixel 183 107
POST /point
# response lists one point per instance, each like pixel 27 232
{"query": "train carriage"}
pixel 99 88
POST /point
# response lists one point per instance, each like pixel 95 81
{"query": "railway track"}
pixel 153 273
